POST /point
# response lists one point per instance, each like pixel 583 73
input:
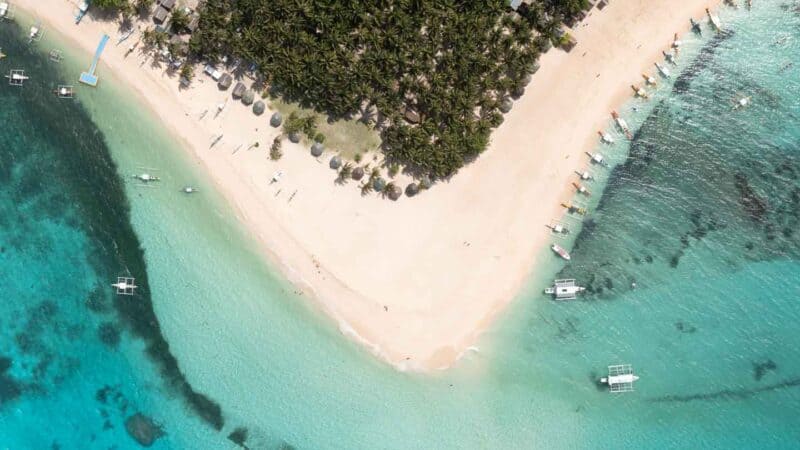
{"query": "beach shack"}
pixel 238 90
pixel 167 4
pixel 225 81
pixel 248 97
pixel 160 15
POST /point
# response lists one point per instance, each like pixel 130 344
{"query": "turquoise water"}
pixel 702 216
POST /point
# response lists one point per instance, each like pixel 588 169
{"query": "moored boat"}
pixel 560 251
pixel 715 22
pixel 605 138
pixel 696 26
pixel 622 124
pixel 663 70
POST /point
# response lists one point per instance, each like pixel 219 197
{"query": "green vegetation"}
pixel 187 72
pixel 275 152
pixel 430 74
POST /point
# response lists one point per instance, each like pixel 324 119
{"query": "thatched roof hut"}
pixel 506 104
pixel 160 15
pixel 225 81
pixel 517 92
pixel 411 115
pixel 294 137
pixel 395 192
pixel 412 189
pixel 533 68
pixel 238 90
pixel 276 119
pixel 259 107
pixel 336 162
pixel 358 173
pixel 378 184
pixel 248 97
pixel 317 149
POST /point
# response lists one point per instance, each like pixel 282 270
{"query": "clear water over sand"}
pixel 702 216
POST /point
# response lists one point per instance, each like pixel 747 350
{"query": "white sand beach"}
pixel 416 280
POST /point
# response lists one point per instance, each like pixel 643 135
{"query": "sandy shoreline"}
pixel 416 280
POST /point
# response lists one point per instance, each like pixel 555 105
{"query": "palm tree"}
pixel 345 172
pixel 275 152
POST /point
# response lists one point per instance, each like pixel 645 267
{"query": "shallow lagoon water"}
pixel 712 335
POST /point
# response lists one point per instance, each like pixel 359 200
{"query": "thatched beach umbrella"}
pixel 336 162
pixel 395 192
pixel 276 120
pixel 248 97
pixel 533 68
pixel 517 92
pixel 378 184
pixel 316 149
pixel 506 104
pixel 294 137
pixel 412 189
pixel 225 81
pixel 259 107
pixel 238 90
pixel 358 173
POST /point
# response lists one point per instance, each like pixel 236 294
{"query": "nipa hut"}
pixel 336 162
pixel 317 149
pixel 294 137
pixel 358 173
pixel 412 189
pixel 259 107
pixel 225 81
pixel 238 90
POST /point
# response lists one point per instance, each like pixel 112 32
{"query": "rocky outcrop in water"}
pixel 143 429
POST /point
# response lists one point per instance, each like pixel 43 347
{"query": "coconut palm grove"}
pixel 433 76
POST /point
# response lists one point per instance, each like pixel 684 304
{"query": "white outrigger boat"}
pixel 650 81
pixel 714 20
pixel 35 33
pixel 564 289
pixel 622 124
pixel 620 378
pixel 146 177
pixel 125 285
pixel 640 92
pixel 2 55
pixel 558 228
pixel 17 77
pixel 276 176
pixel 742 103
pixel 663 70
pixel 560 251
pixel 676 43
pixel 4 7
pixel 585 176
pixel 605 138
pixel 188 190
pixel 597 158
pixel 581 189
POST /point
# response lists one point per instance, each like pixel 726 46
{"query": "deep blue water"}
pixel 76 360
